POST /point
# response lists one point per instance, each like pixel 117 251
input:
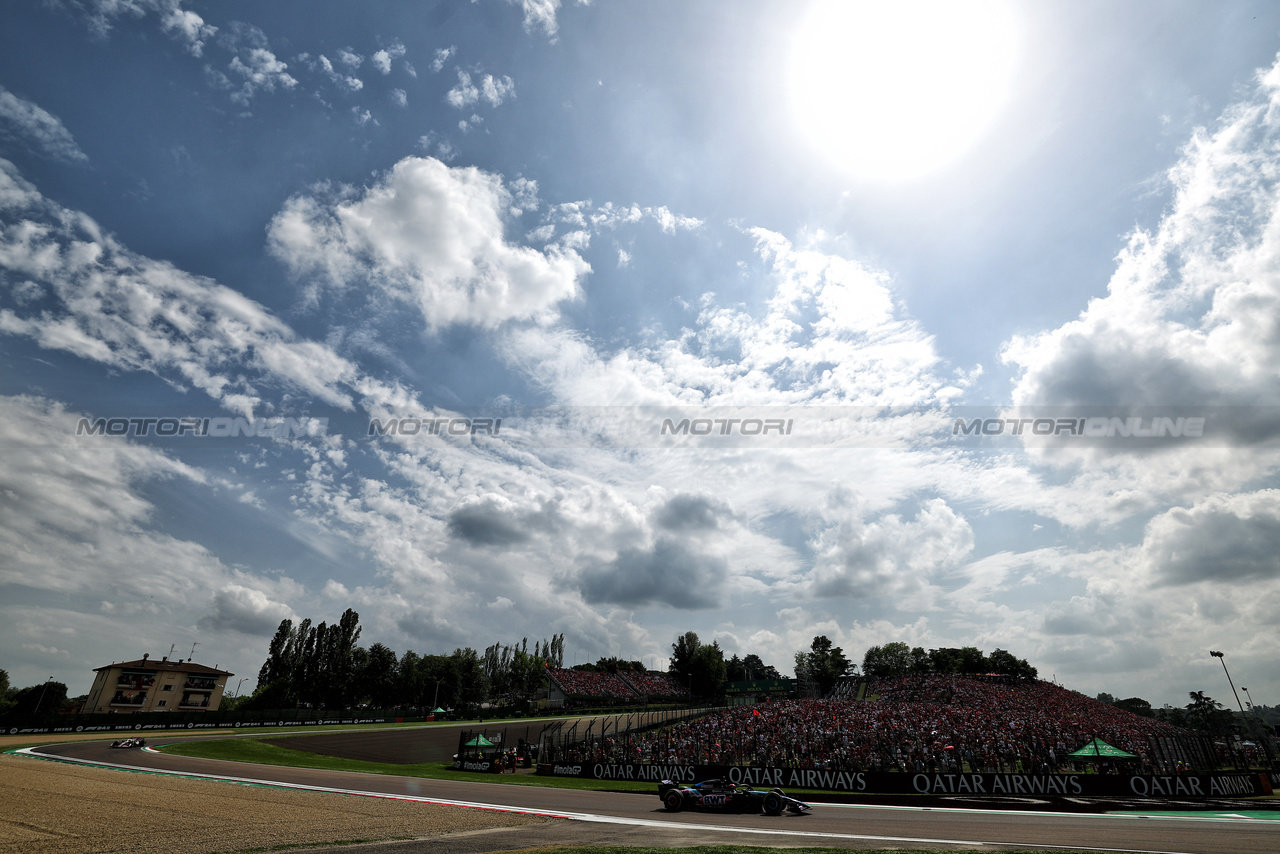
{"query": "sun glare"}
pixel 893 91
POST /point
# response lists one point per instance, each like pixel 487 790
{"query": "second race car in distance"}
pixel 723 796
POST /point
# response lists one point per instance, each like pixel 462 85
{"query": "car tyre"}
pixel 673 800
pixel 773 804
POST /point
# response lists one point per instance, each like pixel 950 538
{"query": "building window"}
pixel 162 704
pixel 166 687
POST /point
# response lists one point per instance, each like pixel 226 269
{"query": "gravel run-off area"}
pixel 48 806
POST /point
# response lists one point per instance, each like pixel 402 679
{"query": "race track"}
pixel 613 818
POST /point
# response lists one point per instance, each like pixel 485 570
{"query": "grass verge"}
pixel 262 753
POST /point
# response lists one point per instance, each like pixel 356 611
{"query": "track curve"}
pixel 829 825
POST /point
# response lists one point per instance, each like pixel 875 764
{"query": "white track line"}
pixel 586 817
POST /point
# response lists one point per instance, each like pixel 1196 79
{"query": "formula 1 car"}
pixel 128 743
pixel 723 796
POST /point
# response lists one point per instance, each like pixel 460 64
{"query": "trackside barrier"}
pixel 977 785
pixel 133 723
pixel 571 743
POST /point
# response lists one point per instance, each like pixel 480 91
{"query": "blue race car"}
pixel 723 796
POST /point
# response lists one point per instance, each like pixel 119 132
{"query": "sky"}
pixel 955 325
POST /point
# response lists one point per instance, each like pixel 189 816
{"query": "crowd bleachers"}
pixel 624 685
pixel 585 683
pixel 654 684
pixel 915 724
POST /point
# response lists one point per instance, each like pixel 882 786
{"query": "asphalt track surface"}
pixel 611 818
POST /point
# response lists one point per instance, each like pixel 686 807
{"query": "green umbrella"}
pixel 479 741
pixel 1099 749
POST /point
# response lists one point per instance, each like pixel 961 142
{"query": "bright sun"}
pixel 892 91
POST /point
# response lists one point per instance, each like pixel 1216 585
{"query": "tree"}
pixel 757 669
pixel 892 659
pixel 945 660
pixel 749 668
pixel 825 663
pixel 971 660
pixel 410 686
pixel 471 685
pixel 377 680
pixel 707 670
pixel 919 661
pixel 1172 715
pixel 47 698
pixel 1004 662
pixel 309 665
pixel 527 674
pixel 682 652
pixel 1207 715
pixel 1104 697
pixel 1134 706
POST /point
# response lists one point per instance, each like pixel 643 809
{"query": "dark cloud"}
pixel 486 525
pixel 1225 539
pixel 690 513
pixel 670 573
pixel 240 609
pixel 426 628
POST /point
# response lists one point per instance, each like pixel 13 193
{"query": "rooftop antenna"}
pixel 192 657
pixel 171 646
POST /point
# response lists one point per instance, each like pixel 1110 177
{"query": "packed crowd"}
pixel 655 684
pixel 917 724
pixel 631 685
pixel 585 683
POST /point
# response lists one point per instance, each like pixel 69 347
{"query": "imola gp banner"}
pixel 976 785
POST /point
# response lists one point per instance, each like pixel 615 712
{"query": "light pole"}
pixel 238 684
pixel 1266 745
pixel 42 693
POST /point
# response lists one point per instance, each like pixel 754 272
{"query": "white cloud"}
pixel 888 558
pixel 182 24
pixel 187 27
pixel 135 313
pixel 464 94
pixel 496 90
pixel 260 71
pixel 382 58
pixel 1192 313
pixel 430 234
pixel 541 15
pixel 492 89
pixel 441 58
pixel 23 120
pixel 342 81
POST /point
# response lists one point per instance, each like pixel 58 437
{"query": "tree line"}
pixel 1202 714
pixel 322 666
pixel 898 659
pixel 44 698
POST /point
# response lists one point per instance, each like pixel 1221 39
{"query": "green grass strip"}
pixel 262 753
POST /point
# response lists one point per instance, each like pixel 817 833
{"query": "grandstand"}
pixel 915 724
pixel 584 686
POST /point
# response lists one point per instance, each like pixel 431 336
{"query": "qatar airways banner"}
pixel 977 785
